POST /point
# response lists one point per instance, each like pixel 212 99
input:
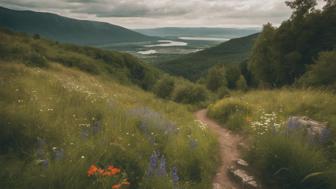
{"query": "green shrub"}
pixel 190 94
pixel 230 112
pixel 223 92
pixel 36 60
pixel 322 73
pixel 164 87
pixel 286 161
pixel 241 83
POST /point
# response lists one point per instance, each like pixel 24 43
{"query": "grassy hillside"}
pixel 192 66
pixel 66 29
pixel 282 155
pixel 66 110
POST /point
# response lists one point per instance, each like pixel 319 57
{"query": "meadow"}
pixel 282 156
pixel 79 117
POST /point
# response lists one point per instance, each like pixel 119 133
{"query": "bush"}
pixel 230 112
pixel 190 94
pixel 322 73
pixel 223 92
pixel 37 60
pixel 241 83
pixel 164 88
pixel 286 162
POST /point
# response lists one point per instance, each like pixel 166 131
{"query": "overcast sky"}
pixel 160 13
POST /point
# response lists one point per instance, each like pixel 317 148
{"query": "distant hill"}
pixel 228 33
pixel 192 66
pixel 67 30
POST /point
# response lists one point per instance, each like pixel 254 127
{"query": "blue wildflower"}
pixel 162 168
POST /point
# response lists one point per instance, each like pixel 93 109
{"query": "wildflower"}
pixel 162 167
pixel 153 163
pixel 82 157
pixel 92 170
pixel 175 176
pixel 125 182
pixel 116 186
pixel 113 170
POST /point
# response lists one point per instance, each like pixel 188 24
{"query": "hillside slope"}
pixel 68 30
pixel 65 110
pixel 192 66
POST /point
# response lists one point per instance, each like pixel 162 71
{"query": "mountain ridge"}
pixel 65 29
pixel 193 66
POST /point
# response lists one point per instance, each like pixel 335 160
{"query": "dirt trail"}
pixel 228 143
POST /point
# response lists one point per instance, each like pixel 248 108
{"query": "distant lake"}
pixel 203 39
pixel 168 43
pixel 148 52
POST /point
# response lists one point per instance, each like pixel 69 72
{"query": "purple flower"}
pixel 96 127
pixel 175 176
pixel 162 168
pixel 153 163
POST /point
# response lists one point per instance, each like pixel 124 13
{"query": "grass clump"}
pixel 287 162
pixel 230 113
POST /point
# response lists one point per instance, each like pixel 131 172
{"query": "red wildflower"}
pixel 92 170
pixel 116 186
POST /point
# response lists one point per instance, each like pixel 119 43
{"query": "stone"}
pixel 242 163
pixel 314 130
pixel 243 178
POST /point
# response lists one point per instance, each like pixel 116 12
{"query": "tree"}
pixel 322 73
pixel 262 59
pixel 232 75
pixel 215 78
pixel 241 83
pixel 301 7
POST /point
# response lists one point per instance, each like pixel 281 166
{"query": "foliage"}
pixel 322 73
pixel 285 161
pixel 164 88
pixel 190 94
pixel 230 113
pixel 275 61
pixel 241 83
pixel 215 78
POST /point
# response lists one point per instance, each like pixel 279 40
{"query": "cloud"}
pixel 151 13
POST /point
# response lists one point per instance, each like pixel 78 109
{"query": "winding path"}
pixel 228 143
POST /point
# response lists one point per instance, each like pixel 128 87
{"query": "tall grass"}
pixel 57 121
pixel 283 158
